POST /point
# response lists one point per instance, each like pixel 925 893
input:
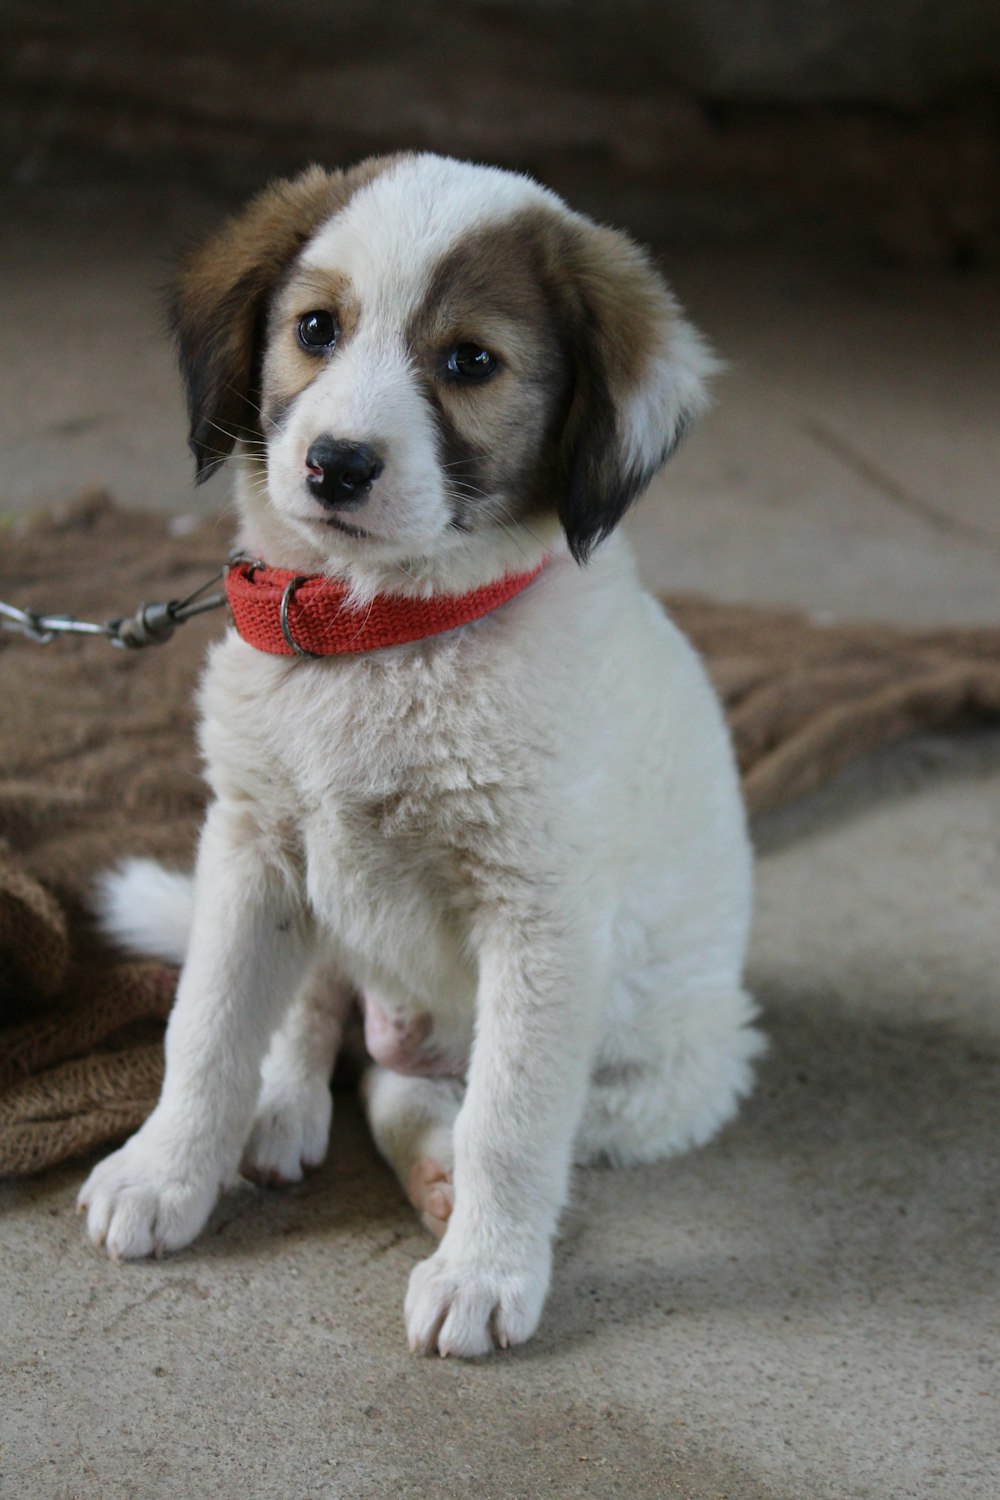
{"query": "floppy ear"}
pixel 639 381
pixel 218 300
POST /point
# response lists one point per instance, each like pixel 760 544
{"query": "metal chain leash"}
pixel 150 625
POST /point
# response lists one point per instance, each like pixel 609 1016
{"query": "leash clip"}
pixel 151 625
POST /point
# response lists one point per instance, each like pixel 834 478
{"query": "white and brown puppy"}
pixel 521 842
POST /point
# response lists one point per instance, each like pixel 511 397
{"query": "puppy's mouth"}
pixel 338 525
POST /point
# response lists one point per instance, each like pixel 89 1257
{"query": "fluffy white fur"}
pixel 147 908
pixel 528 831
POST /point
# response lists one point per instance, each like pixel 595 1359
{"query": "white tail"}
pixel 146 908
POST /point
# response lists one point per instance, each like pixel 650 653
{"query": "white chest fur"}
pixel 563 756
pixel 401 786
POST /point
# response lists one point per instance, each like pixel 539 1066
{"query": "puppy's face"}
pixel 422 351
pixel 414 376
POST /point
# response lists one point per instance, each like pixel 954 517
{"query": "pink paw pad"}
pixel 432 1194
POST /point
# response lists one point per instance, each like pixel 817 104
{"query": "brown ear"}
pixel 639 381
pixel 217 304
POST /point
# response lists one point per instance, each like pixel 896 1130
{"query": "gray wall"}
pixel 879 119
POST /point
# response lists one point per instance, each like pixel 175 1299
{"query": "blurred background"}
pixel 820 178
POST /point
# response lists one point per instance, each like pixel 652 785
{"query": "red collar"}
pixel 297 614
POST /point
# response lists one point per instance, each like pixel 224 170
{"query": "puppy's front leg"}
pixel 538 997
pixel 249 943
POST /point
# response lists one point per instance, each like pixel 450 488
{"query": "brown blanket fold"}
pixel 97 761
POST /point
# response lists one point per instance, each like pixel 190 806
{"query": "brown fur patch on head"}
pixel 586 403
pixel 493 435
pixel 219 296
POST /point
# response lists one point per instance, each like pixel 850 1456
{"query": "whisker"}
pixel 522 525
pixel 213 464
pixel 226 433
pixel 497 512
pixel 464 487
pixel 454 494
pixel 509 531
pixel 227 513
pixel 243 397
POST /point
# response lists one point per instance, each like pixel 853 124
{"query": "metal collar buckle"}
pixel 286 599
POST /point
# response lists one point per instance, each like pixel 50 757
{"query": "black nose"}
pixel 341 474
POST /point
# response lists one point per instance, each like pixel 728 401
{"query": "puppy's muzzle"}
pixel 341 474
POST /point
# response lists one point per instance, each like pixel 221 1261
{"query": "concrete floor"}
pixel 807 1309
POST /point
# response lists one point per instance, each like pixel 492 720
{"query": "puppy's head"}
pixel 420 351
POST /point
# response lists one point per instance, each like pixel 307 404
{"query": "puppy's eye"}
pixel 471 362
pixel 318 331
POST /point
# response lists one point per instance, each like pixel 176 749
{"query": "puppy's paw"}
pixel 139 1201
pixel 469 1307
pixel 431 1191
pixel 290 1134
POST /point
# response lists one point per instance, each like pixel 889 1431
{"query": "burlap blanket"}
pixel 97 761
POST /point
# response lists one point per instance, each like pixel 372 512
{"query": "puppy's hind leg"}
pixel 681 1088
pixel 291 1128
pixel 411 1121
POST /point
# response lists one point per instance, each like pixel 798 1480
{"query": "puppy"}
pixel 519 839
